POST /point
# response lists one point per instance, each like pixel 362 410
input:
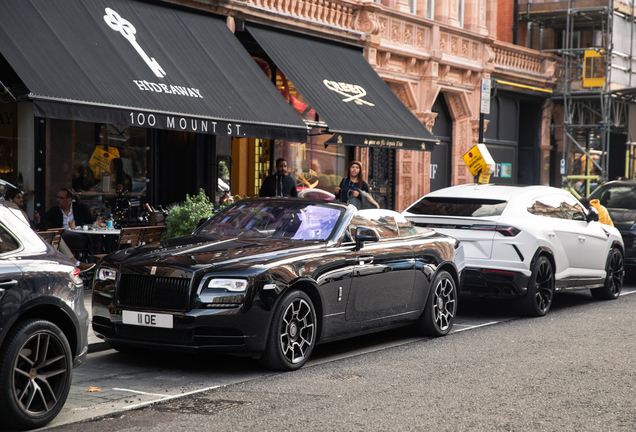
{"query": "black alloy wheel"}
pixel 538 299
pixel 36 366
pixel 292 335
pixel 615 270
pixel 441 307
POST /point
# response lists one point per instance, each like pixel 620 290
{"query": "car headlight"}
pixel 105 273
pixel 232 285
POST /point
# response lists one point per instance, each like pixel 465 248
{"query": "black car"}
pixel 43 324
pixel 619 197
pixel 274 277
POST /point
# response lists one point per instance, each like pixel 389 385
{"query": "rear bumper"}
pixel 494 283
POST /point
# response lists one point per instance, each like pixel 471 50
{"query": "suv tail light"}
pixel 507 231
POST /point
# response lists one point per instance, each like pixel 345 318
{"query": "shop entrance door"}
pixel 382 176
pixel 440 169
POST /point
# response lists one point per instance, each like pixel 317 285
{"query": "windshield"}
pixel 274 219
pixel 465 207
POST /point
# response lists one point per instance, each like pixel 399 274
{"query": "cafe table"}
pixel 105 240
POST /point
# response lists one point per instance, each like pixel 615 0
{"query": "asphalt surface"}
pixel 572 370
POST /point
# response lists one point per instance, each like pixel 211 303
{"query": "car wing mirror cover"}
pixel 366 234
pixel 592 215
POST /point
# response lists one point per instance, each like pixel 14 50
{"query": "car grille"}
pixel 154 292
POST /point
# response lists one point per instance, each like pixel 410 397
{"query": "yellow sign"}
pixel 100 160
pixel 477 158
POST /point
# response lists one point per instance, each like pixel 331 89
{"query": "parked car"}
pixel 4 187
pixel 43 324
pixel 272 277
pixel 619 197
pixel 525 242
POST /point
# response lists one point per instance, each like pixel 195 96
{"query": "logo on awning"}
pixel 127 30
pixel 354 93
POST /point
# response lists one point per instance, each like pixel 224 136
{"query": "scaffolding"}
pixel 595 81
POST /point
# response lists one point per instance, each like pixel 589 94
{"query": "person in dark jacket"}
pixel 69 214
pixel 353 184
pixel 279 184
pixel 15 196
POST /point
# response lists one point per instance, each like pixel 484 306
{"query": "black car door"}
pixel 384 273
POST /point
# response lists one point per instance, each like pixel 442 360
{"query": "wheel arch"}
pixel 57 316
pixel 452 270
pixel 546 252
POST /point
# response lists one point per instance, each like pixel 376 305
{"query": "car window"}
pixel 619 197
pixel 464 207
pixel 405 228
pixel 557 206
pixel 7 242
pixel 383 223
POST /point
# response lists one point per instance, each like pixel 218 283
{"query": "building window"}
pixel 461 13
pixel 430 9
pixel 413 6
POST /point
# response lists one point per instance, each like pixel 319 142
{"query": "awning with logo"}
pixel 136 63
pixel 346 92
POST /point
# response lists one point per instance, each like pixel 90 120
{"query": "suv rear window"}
pixel 464 207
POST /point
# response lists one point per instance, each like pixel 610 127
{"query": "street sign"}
pixel 484 107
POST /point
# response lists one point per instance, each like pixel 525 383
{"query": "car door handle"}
pixel 365 259
pixel 8 283
pixel 551 234
pixel 581 239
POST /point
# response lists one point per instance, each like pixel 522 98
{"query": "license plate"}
pixel 147 319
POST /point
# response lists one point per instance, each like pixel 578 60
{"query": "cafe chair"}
pixel 151 234
pixel 57 237
pixel 47 236
pixel 128 237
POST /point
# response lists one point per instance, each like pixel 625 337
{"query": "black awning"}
pixel 346 92
pixel 135 63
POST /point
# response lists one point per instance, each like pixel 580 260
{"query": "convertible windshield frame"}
pixel 275 219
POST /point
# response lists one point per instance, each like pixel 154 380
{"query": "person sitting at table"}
pixel 69 214
pixel 15 196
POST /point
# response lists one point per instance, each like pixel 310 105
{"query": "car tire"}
pixel 538 299
pixel 615 270
pixel 36 367
pixel 292 334
pixel 441 307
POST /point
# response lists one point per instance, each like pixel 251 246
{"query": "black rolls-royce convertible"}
pixel 272 277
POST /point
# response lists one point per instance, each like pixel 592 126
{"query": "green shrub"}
pixel 183 218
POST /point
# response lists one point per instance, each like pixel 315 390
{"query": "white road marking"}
pixel 473 326
pixel 140 392
pixel 167 398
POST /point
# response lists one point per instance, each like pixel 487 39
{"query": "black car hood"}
pixel 623 219
pixel 204 252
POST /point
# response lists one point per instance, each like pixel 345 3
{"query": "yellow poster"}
pixel 484 176
pixel 100 160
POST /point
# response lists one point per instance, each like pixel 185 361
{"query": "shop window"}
pixel 261 163
pixel 317 169
pixel 8 143
pixel 108 165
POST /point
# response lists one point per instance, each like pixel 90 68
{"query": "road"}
pixel 572 370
